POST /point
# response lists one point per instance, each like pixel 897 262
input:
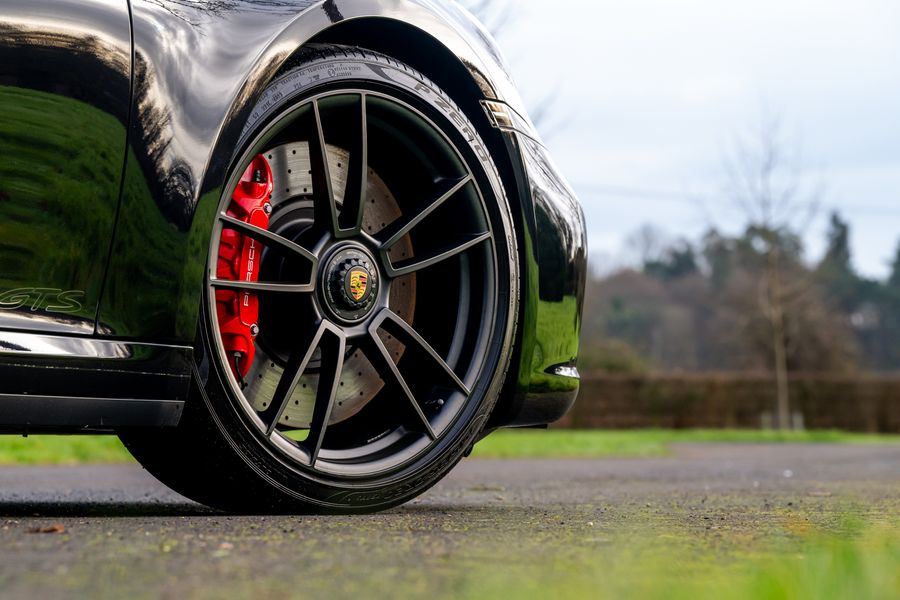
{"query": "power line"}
pixel 600 189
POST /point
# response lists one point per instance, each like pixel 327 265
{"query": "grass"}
pixel 865 567
pixel 87 449
pixel 576 444
pixel 62 450
pixel 852 566
pixel 644 442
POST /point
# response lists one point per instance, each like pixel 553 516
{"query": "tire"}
pixel 429 339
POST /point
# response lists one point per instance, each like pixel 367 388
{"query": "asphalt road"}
pixel 115 532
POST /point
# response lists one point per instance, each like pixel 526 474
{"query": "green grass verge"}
pixel 71 450
pixel 530 443
pixel 62 450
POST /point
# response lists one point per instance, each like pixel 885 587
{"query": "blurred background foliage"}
pixel 692 305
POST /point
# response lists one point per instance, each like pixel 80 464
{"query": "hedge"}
pixel 866 403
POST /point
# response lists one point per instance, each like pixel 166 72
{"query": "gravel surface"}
pixel 113 531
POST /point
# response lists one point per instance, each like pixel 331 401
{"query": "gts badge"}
pixel 50 300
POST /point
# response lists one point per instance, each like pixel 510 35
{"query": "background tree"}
pixel 879 320
pixel 764 183
pixel 679 260
pixel 894 279
pixel 646 244
pixel 844 287
pixel 837 255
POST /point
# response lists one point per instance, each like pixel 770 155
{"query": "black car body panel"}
pixel 195 74
pixel 75 383
pixel 65 84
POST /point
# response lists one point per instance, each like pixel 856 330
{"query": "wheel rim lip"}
pixel 297 455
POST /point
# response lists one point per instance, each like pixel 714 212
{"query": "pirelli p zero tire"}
pixel 366 232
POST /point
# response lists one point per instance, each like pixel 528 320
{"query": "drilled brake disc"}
pixel 291 171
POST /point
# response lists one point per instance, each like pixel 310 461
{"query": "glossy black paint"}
pixel 65 414
pixel 199 69
pixel 80 383
pixel 65 78
pixel 555 266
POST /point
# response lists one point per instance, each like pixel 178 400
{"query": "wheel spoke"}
pixel 269 238
pixel 263 286
pixel 411 266
pixel 323 194
pixel 351 217
pixel 294 370
pixel 400 228
pixel 381 359
pixel 400 329
pixel 333 345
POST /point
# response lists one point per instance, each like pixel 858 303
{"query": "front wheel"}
pixel 361 298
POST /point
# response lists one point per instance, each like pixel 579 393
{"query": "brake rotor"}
pixel 360 383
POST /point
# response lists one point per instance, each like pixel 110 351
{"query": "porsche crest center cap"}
pixel 352 284
pixel 357 283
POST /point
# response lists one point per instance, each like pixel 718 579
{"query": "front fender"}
pixel 556 261
pixel 198 72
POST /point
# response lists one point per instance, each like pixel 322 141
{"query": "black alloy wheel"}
pixel 385 286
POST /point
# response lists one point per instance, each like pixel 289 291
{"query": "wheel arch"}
pixel 451 50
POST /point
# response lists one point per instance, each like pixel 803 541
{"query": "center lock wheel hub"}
pixel 351 284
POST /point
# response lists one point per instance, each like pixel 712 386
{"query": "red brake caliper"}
pixel 239 260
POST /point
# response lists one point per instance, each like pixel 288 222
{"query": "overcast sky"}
pixel 649 93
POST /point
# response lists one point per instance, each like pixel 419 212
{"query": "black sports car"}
pixel 298 255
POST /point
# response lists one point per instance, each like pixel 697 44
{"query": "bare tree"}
pixel 763 181
pixel 646 244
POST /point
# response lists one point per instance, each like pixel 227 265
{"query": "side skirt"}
pixel 58 414
pixel 63 384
